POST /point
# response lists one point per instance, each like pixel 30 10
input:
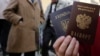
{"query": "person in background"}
pixel 4 26
pixel 25 16
pixel 48 31
pixel 0 47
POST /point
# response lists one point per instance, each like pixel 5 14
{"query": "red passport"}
pixel 83 22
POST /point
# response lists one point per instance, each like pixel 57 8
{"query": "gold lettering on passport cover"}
pixel 85 8
pixel 60 19
pixel 81 35
pixel 62 15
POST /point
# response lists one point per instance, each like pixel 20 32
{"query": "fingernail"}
pixel 69 36
pixel 74 38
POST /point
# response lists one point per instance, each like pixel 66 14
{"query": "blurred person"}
pixel 4 26
pixel 48 31
pixel 0 47
pixel 25 16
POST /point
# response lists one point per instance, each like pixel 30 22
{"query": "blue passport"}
pixel 60 20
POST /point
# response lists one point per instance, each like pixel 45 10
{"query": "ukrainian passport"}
pixel 83 22
pixel 60 20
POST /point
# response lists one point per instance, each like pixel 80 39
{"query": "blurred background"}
pixel 45 3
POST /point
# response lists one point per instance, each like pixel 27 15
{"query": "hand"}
pixel 66 46
pixel 20 22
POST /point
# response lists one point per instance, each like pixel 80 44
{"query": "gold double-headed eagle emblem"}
pixel 83 21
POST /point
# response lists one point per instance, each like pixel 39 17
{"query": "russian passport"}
pixel 83 22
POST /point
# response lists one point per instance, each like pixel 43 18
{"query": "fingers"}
pixel 75 52
pixel 71 47
pixel 58 43
pixel 64 45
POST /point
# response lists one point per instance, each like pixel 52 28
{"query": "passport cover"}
pixel 83 22
pixel 60 20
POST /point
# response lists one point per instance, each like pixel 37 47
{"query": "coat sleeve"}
pixel 42 17
pixel 10 13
